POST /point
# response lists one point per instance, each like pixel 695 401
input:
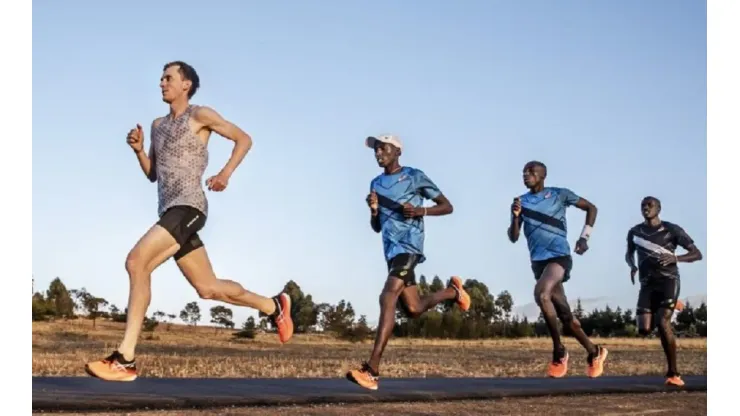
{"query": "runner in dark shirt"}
pixel 655 242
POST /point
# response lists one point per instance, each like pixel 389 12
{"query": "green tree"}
pixel 41 308
pixel 700 315
pixel 505 302
pixel 337 318
pixel 116 315
pixel 60 299
pixel 358 331
pixel 91 306
pixel 249 329
pixel 191 313
pixel 221 315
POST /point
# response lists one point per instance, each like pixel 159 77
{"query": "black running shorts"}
pixel 658 294
pixel 538 267
pixel 183 223
pixel 402 266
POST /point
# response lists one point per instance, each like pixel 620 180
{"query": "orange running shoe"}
pixel 558 367
pixel 596 362
pixel 674 380
pixel 281 318
pixel 364 377
pixel 679 305
pixel 462 299
pixel 112 368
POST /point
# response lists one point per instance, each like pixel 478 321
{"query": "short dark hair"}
pixel 538 163
pixel 652 198
pixel 188 73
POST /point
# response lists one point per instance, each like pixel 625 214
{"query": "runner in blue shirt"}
pixel 541 212
pixel 397 211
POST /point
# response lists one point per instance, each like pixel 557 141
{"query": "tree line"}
pixel 489 316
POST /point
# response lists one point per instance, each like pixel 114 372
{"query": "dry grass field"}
pixel 62 348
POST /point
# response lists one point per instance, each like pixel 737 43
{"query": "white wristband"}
pixel 586 233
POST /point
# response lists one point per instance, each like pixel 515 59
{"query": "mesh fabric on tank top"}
pixel 181 159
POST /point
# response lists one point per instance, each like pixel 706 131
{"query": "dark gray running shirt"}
pixel 181 159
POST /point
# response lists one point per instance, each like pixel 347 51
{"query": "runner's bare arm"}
pixel 629 256
pixel 149 163
pixel 375 223
pixel 242 141
pixel 590 209
pixel 442 206
pixel 514 228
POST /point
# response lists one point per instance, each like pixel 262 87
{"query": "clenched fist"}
pixel 372 202
pixel 135 138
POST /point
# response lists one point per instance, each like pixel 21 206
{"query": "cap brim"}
pixel 370 142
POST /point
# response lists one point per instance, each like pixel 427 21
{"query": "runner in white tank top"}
pixel 177 159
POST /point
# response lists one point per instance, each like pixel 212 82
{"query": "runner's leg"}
pixel 195 265
pixel 150 252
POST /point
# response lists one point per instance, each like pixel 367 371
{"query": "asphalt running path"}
pixel 91 394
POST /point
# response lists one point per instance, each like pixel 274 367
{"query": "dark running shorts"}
pixel 402 266
pixel 539 266
pixel 183 223
pixel 658 294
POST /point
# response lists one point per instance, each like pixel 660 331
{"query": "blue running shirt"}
pixel 543 219
pixel 402 235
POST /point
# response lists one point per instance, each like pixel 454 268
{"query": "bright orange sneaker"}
pixel 674 380
pixel 679 306
pixel 596 363
pixel 364 377
pixel 281 319
pixel 112 368
pixel 462 299
pixel 558 367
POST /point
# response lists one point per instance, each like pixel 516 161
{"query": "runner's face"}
pixel 649 209
pixel 532 175
pixel 172 84
pixel 385 154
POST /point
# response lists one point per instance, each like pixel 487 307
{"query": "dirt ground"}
pixel 674 404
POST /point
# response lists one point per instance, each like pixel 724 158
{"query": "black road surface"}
pixel 90 394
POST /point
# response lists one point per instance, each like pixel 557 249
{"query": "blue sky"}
pixel 611 96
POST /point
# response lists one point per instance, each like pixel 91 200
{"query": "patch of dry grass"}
pixel 62 348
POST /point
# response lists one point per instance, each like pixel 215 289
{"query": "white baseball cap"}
pixel 383 138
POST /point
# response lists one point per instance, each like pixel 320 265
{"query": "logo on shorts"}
pixel 192 221
pixel 403 273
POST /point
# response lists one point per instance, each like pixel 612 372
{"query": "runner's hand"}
pixel 218 182
pixel 372 202
pixel 633 272
pixel 516 207
pixel 410 211
pixel 581 246
pixel 667 258
pixel 135 138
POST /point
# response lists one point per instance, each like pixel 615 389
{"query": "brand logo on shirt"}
pixel 404 176
pixel 547 195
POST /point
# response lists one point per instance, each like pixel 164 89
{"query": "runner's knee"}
pixel 384 298
pixel 135 265
pixel 412 310
pixel 542 297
